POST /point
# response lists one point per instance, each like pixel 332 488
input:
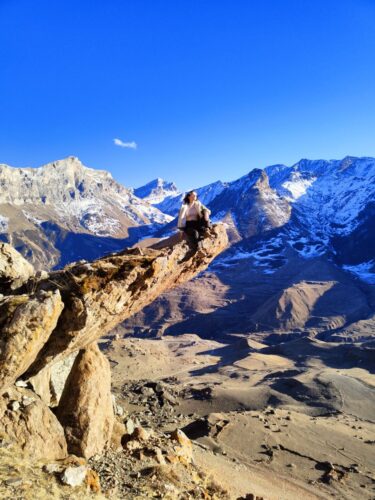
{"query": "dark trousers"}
pixel 194 231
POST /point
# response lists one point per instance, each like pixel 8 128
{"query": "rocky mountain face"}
pixel 50 324
pixel 64 211
pixel 301 260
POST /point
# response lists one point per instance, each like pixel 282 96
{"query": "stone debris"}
pixel 74 476
pixel 141 434
pixel 129 424
pixel 153 467
pixel 15 482
pixel 159 407
pixel 93 481
pixel 53 468
pixel 117 409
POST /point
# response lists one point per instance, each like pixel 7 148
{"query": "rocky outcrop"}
pixel 85 409
pixel 14 269
pixel 25 419
pixel 99 295
pixel 26 324
pixel 47 321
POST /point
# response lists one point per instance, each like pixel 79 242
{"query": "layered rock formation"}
pixel 45 321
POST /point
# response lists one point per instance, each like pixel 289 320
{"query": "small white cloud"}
pixel 122 144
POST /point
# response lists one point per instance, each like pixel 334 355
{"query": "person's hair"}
pixel 186 197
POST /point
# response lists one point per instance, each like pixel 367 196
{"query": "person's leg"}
pixel 192 232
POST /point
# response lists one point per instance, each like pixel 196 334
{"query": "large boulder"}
pixel 27 421
pixel 85 409
pixel 14 269
pixel 25 324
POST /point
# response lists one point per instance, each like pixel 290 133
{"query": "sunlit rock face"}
pixel 14 269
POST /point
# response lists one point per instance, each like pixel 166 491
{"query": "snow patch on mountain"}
pixel 156 191
pixel 329 200
pixel 267 256
pixel 364 271
pixel 297 186
pixel 4 223
pixel 32 219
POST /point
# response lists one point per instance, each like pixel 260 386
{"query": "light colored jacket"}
pixel 182 214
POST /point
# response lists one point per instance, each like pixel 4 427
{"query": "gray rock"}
pixel 52 468
pixel 117 409
pixel 147 391
pixel 26 401
pixel 14 405
pixel 14 481
pixel 21 383
pixel 74 476
pixel 129 424
pixel 59 375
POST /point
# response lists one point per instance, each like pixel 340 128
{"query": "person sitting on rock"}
pixel 193 218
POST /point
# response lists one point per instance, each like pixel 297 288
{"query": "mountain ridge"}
pixel 65 200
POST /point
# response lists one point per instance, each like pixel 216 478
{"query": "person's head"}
pixel 190 197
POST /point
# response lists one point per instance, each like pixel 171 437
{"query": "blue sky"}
pixel 207 89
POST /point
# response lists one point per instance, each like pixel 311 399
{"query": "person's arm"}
pixel 205 209
pixel 180 218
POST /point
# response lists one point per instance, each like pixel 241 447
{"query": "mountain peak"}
pixel 156 191
pixel 69 161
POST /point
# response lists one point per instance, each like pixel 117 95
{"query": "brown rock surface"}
pixel 41 385
pixel 85 409
pixel 14 269
pixel 25 419
pixel 26 324
pixel 99 295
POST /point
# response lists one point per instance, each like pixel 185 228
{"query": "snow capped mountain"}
pixel 72 199
pixel 156 191
pixel 301 260
pixel 251 205
pixel 331 212
pixel 313 208
pixel 90 198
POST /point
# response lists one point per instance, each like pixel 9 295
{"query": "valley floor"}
pixel 291 421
